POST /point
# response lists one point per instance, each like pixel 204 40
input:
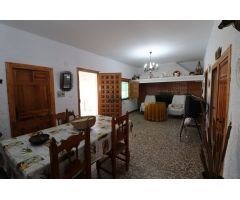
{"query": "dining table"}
pixel 20 159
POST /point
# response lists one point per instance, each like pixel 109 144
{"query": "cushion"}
pixel 179 99
pixel 150 98
pixel 177 106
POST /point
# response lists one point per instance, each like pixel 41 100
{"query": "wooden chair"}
pixel 64 117
pixel 69 150
pixel 120 145
pixel 70 115
pixel 61 118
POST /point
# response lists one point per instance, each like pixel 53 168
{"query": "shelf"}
pixel 198 78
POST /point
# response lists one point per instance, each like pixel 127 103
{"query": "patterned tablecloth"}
pixel 22 160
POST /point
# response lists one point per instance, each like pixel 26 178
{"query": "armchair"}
pixel 177 107
pixel 148 99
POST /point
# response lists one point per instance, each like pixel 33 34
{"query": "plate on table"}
pixel 38 138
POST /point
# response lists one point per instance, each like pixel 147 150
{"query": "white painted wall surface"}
pixel 23 47
pixel 224 38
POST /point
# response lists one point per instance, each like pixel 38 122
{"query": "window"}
pixel 124 89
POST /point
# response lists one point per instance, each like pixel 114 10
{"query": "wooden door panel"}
pixel 40 76
pixel 31 98
pixel 223 68
pixel 22 75
pixel 32 114
pixel 222 104
pixel 110 94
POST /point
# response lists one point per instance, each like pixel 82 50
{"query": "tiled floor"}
pixel 156 151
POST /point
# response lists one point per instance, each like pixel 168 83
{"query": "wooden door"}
pixel 220 92
pixel 223 93
pixel 110 103
pixel 30 98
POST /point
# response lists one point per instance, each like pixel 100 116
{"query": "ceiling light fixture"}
pixel 150 66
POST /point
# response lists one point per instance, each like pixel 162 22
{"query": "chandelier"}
pixel 150 66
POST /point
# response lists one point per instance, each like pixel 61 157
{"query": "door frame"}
pixel 78 89
pixel 206 84
pixel 227 53
pixel 214 67
pixel 10 90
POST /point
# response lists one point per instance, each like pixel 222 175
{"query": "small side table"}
pixel 155 111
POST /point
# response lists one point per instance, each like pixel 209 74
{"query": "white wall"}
pixel 168 68
pixel 23 47
pixel 224 38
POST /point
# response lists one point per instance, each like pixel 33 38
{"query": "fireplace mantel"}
pixel 198 78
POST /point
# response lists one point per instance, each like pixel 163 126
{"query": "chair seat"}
pixel 175 111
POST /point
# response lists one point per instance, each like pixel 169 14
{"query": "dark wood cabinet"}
pixel 133 90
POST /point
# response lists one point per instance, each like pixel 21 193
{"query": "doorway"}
pixel 87 92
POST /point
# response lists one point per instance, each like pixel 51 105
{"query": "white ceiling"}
pixel 128 41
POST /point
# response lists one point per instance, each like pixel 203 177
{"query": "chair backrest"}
pixel 150 99
pixel 68 151
pixel 179 99
pixel 194 106
pixel 70 115
pixel 61 118
pixel 120 130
